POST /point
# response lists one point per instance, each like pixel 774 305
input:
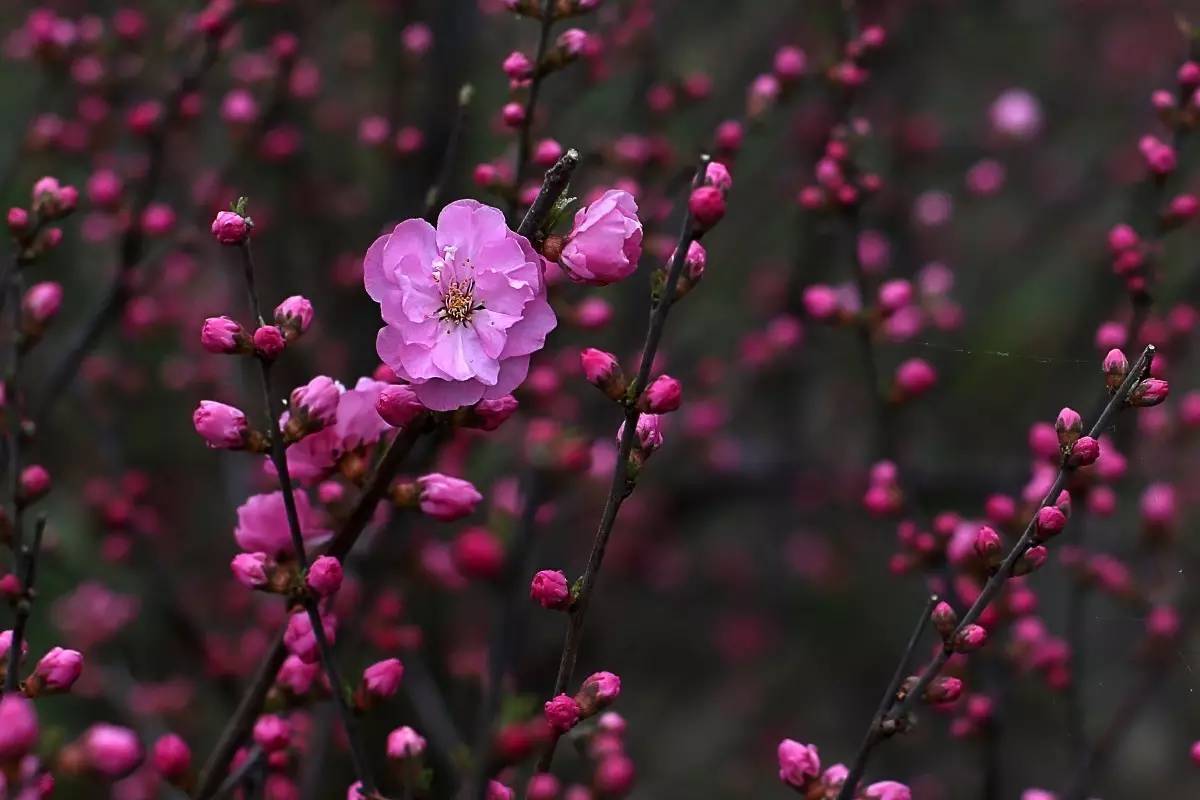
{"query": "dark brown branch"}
pixel 28 575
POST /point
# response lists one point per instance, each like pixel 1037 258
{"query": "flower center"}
pixel 458 302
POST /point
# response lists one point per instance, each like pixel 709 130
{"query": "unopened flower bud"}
pixel 603 371
pixel 398 405
pixel 325 576
pixel 944 619
pixel 294 315
pixel 707 206
pixel 34 483
pixel 314 406
pixel 1031 560
pixel 969 639
pixel 1069 427
pixel 550 590
pixel 268 342
pixel 231 228
pixel 662 396
pixel 1084 453
pixel 1116 367
pixel 600 689
pixel 988 544
pixel 404 743
pixel 1149 392
pixel 171 758
pixel 382 679
pixel 943 689
pixel 1049 522
pixel 221 425
pixel 562 713
pixel 222 335
pixel 251 569
pixel 57 671
pixel 41 304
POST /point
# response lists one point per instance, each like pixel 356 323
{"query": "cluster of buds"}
pixel 647 438
pixel 1129 256
pixel 849 73
pixel 55 673
pixel 597 692
pixel 1077 450
pixel 312 408
pixel 839 182
pixel 51 201
pixel 789 64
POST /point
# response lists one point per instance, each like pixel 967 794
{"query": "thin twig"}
pixel 621 485
pixel 874 732
pixel 29 559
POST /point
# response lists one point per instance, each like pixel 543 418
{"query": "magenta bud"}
pixel 41 302
pixel 562 713
pixel 34 483
pixel 251 569
pixel 272 733
pixel 222 335
pixel 382 678
pixel 171 758
pixel 969 639
pixel 550 590
pixel 599 690
pixel 944 619
pixel 1050 522
pixel 58 670
pixel 294 315
pixel 1116 367
pixel 404 743
pixel 707 206
pixel 987 544
pixel 1149 392
pixel 268 342
pixel 18 728
pixel 398 405
pixel 1084 453
pixel 603 371
pixel 1031 560
pixel 662 396
pixel 325 576
pixel 221 425
pixel 1069 427
pixel 943 690
pixel 230 228
pixel 315 403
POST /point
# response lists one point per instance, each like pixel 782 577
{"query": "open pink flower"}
pixel 262 524
pixel 464 305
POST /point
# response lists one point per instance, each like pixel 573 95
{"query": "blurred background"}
pixel 748 595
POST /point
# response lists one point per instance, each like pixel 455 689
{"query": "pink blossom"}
pixel 398 405
pixel 300 639
pixel 262 524
pixel 357 423
pixel 272 732
pixel 798 763
pixel 250 569
pixel 325 576
pixel 295 313
pixel 230 228
pixel 171 757
pixel 112 750
pixel 562 712
pixel 446 498
pixel 464 305
pixel 606 242
pixel 888 790
pixel 18 727
pixel 649 433
pixel 382 678
pixel 404 742
pixel 498 791
pixel 663 395
pixel 222 335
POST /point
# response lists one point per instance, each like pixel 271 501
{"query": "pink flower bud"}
pixel 316 402
pixel 987 544
pixel 572 41
pixel 18 221
pixel 615 775
pixel 111 750
pixel 969 639
pixel 478 553
pixel 1158 505
pixel 717 174
pixel 498 791
pixel 547 152
pixel 895 295
pixel 34 483
pixel 542 786
pixel 445 498
pixel 549 589
pixel 513 114
pixel 382 678
pixel 230 228
pixel 605 243
pixel 1116 367
pixel 915 377
pixel 1085 452
pixel 790 62
pixel 398 406
pixel 272 733
pixel 294 315
pixel 599 367
pixel 517 66
pixel 944 619
pixel 1122 237
pixel 491 414
pixel 821 302
pixel 798 763
pixel 707 206
pixel 42 302
pixel 600 689
pixel 943 690
pixel 268 342
pixel 1031 560
pixel 104 188
pixel 59 669
pixel 562 712
pixel 325 576
pixel 887 790
pixel 1163 623
pixel 300 639
pixel 1050 522
pixel 250 569
pixel 1195 752
pixel 18 728
pixel 662 396
pixel 171 757
pixel 404 743
pixel 1149 392
pixel 222 335
pixel 1068 427
pixel 649 433
pixel 220 425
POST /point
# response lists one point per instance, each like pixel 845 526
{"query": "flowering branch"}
pixel 535 85
pixel 623 477
pixel 956 638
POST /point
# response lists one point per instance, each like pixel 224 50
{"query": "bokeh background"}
pixel 748 595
